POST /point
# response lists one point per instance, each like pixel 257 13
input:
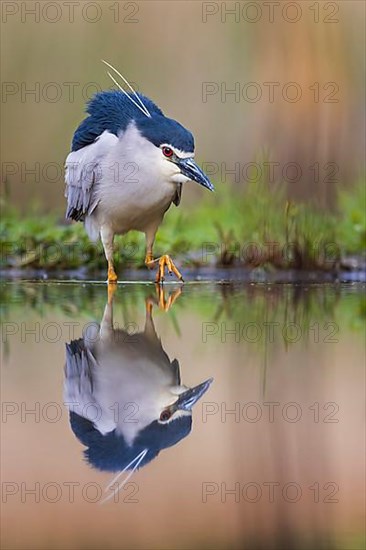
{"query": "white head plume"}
pixel 139 104
pixel 135 463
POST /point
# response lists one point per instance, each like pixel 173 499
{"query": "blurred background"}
pixel 247 78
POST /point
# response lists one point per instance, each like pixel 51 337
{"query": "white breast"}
pixel 130 388
pixel 133 191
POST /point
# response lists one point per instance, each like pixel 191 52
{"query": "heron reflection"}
pixel 125 395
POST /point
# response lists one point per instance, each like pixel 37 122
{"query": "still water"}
pixel 114 435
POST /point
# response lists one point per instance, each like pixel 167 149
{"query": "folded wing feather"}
pixel 83 172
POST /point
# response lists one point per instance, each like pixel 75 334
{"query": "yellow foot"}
pixel 112 277
pixel 166 262
pixel 163 303
pixel 149 261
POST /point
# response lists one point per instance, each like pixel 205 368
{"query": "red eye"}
pixel 167 151
pixel 165 415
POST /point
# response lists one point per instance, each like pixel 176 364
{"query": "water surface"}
pixel 273 457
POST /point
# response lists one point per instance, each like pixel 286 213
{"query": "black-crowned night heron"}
pixel 127 166
pixel 125 396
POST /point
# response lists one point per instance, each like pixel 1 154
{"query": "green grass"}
pixel 351 228
pixel 256 226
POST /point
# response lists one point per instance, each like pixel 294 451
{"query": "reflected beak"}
pixel 190 397
pixel 192 171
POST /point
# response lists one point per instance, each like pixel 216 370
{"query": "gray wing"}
pixel 83 172
pixel 78 387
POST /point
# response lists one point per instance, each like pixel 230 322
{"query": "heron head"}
pixel 174 148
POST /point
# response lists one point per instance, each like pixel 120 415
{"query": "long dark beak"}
pixel 192 171
pixel 190 397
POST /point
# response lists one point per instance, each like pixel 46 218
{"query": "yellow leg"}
pixel 149 304
pixel 111 290
pixel 112 277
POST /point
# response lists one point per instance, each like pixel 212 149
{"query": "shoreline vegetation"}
pixel 254 227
